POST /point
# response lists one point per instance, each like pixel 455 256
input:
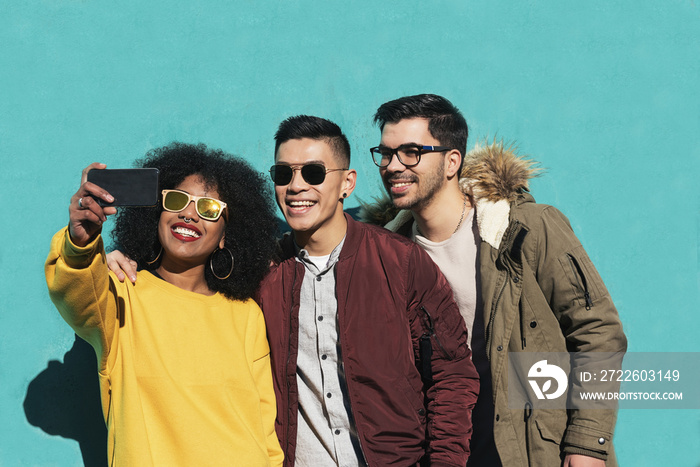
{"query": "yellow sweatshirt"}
pixel 185 378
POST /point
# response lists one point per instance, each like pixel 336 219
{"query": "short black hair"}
pixel 445 122
pixel 307 126
pixel 251 227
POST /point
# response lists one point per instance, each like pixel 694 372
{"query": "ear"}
pixel 222 242
pixel 453 159
pixel 349 183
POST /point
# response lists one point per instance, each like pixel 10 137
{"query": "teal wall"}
pixel 605 94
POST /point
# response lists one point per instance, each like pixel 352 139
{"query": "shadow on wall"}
pixel 64 400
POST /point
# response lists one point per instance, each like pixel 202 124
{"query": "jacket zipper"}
pixel 578 272
pixel 348 380
pixel 431 333
pixel 523 341
pixel 289 359
pixel 494 307
pixel 528 428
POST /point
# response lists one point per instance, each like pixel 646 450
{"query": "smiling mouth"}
pixel 399 187
pixel 185 233
pixel 300 204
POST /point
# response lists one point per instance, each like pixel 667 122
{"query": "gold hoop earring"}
pixel 211 263
pixel 160 252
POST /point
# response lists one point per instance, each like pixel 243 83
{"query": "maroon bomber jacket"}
pixel 386 285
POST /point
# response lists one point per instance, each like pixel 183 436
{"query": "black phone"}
pixel 129 187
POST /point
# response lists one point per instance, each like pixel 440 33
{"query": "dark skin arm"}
pixel 122 266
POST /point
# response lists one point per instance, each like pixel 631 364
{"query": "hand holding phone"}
pixel 101 190
pixel 86 214
pixel 129 187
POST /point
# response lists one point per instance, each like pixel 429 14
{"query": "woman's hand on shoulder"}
pixel 86 214
pixel 122 266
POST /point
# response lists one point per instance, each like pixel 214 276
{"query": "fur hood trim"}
pixel 495 175
pixel 495 172
pixel 492 173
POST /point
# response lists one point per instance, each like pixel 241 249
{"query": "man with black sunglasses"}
pixel 369 353
pixel 520 276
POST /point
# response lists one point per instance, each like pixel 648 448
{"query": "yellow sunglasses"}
pixel 207 208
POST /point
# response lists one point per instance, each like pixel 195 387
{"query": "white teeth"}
pixel 297 204
pixel 400 184
pixel 186 232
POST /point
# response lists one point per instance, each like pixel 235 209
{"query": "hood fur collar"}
pixel 492 174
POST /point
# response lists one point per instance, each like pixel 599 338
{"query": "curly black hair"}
pixel 251 227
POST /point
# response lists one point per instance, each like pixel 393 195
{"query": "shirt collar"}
pixel 302 255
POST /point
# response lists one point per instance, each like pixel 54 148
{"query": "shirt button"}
pixel 318 278
pixel 499 348
pixel 320 318
pixel 337 432
pixel 498 417
pixel 421 412
pixel 516 279
pixel 324 356
pixel 601 441
pixel 329 395
pixel 533 324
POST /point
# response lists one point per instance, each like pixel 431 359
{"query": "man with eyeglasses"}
pixel 369 353
pixel 520 276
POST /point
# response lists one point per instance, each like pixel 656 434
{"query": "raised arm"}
pixel 76 273
pixel 85 213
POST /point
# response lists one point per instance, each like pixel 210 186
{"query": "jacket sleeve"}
pixel 80 287
pixel 587 317
pixel 455 386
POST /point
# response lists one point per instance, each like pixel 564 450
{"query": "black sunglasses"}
pixel 313 174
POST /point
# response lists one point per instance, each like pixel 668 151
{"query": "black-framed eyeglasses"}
pixel 313 174
pixel 408 154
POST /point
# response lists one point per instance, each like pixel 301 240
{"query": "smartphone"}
pixel 129 187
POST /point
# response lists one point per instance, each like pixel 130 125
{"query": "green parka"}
pixel 541 293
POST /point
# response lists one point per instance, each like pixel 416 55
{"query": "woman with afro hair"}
pixel 184 364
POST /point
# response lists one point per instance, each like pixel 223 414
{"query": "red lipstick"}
pixel 185 232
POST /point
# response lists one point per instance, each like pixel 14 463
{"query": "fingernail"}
pixel 110 198
pixel 133 278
